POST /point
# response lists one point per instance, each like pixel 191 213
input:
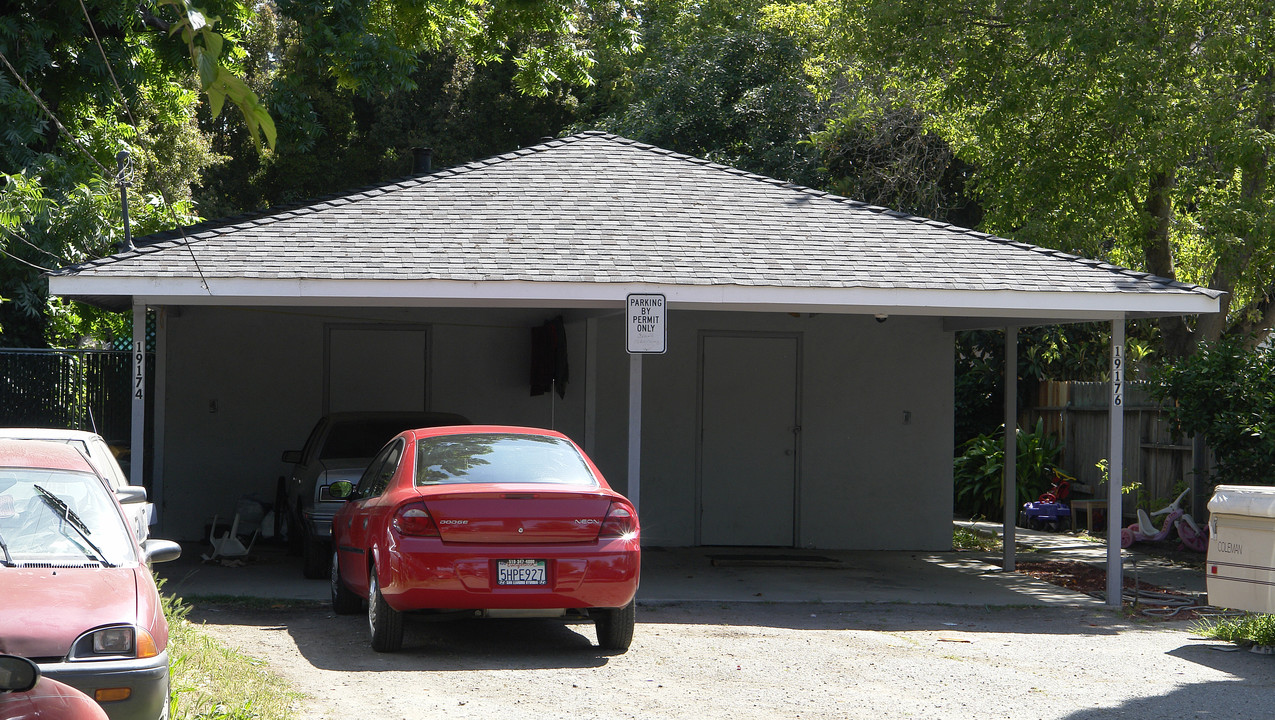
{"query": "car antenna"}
pixel 93 421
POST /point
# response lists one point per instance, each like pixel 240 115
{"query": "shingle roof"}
pixel 597 208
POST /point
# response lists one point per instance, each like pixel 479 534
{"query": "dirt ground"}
pixel 760 660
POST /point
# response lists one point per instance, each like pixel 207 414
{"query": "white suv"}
pixel 140 512
pixel 339 448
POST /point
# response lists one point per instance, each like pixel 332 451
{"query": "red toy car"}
pixel 490 520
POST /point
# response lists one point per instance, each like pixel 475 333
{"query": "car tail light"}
pixel 415 520
pixel 620 521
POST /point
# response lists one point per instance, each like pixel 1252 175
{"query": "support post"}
pixel 1115 466
pixel 1011 446
pixel 635 429
pixel 137 442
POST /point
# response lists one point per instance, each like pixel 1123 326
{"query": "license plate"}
pixel 520 572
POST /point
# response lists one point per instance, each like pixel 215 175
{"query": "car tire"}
pixel 385 622
pixel 344 602
pixel 314 559
pixel 615 626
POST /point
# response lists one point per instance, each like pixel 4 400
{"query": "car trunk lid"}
pixel 531 514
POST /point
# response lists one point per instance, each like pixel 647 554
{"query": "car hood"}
pixel 43 610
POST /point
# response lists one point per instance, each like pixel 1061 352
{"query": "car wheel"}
pixel 344 602
pixel 615 626
pixel 385 622
pixel 314 559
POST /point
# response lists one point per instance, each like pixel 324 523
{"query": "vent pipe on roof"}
pixel 122 172
pixel 422 161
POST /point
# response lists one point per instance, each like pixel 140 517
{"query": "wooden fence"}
pixel 1077 413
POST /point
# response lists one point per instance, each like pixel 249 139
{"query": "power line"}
pixel 137 133
pixel 52 117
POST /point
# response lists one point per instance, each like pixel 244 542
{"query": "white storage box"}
pixel 1241 562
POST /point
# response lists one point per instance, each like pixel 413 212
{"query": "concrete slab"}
pixel 1036 544
pixel 688 574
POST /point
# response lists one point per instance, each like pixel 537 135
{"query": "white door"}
pixel 749 435
pixel 375 368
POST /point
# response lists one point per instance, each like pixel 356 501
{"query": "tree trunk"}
pixel 1179 339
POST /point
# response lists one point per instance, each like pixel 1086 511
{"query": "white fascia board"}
pixel 1060 305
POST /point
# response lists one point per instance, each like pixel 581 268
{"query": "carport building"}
pixel 804 397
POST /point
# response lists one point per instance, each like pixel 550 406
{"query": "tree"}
pixel 1138 132
pixel 713 82
pixel 81 82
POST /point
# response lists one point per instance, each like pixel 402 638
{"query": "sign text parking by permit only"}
pixel 646 319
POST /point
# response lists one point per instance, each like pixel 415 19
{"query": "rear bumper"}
pixel 428 574
pixel 319 523
pixel 146 679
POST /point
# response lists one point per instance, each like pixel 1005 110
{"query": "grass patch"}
pixel 1242 630
pixel 964 538
pixel 213 682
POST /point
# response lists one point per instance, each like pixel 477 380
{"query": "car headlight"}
pixel 114 642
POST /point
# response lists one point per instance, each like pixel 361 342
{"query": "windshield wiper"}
pixel 62 511
pixel 8 559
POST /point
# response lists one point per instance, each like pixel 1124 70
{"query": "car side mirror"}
pixel 157 550
pixel 292 456
pixel 17 674
pixel 130 494
pixel 341 490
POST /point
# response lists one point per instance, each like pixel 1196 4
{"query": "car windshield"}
pixel 360 439
pixel 500 458
pixel 60 518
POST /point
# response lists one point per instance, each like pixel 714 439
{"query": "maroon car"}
pixel 25 695
pixel 78 597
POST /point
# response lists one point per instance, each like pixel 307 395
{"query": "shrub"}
pixel 978 471
pixel 1226 393
pixel 1243 630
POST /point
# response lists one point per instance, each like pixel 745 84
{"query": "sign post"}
pixel 646 320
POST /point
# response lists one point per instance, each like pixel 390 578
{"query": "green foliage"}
pixel 712 81
pixel 1244 630
pixel 219 83
pixel 979 470
pixel 212 682
pixel 964 538
pixel 1226 393
pixel 1132 132
pixel 375 47
pixel 59 203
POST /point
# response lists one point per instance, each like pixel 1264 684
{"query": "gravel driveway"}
pixel 757 660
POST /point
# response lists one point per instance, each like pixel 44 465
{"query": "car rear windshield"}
pixel 500 458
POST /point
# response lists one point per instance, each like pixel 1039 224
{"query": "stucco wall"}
pixel 263 369
pixel 867 479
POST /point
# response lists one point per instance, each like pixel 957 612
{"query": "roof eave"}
pixel 1060 306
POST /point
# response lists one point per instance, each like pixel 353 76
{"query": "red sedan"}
pixel 486 521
